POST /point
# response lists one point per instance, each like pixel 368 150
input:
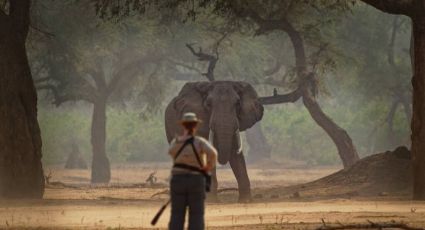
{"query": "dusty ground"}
pixel 127 202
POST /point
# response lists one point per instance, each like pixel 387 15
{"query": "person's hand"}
pixel 206 168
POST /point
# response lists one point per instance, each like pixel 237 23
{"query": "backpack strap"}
pixel 191 168
pixel 190 140
pixel 196 154
pixel 177 165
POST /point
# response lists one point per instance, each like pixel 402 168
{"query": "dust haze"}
pixel 332 147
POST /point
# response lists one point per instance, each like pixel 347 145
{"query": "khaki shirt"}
pixel 206 152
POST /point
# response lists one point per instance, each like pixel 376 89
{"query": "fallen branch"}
pixel 166 191
pixel 152 178
pixel 226 190
pixel 370 225
pixel 55 184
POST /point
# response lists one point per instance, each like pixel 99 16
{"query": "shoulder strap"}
pixel 190 140
pixel 196 154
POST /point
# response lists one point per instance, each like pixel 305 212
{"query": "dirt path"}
pixel 90 214
pixel 127 203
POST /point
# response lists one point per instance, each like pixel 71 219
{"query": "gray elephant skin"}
pixel 226 109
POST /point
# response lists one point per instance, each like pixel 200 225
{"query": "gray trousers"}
pixel 187 191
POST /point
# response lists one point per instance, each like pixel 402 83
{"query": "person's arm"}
pixel 211 154
pixel 172 150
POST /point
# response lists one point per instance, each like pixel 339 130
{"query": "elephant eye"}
pixel 208 103
pixel 238 105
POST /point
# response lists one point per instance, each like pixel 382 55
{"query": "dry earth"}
pixel 280 201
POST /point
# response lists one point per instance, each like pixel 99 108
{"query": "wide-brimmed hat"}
pixel 189 117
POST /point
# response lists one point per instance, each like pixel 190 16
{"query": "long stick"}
pixel 159 213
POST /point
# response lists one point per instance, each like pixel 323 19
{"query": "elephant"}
pixel 226 109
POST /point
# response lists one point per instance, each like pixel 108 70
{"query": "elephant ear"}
pixel 191 99
pixel 251 110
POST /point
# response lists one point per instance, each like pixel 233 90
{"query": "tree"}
pixel 282 17
pixel 82 68
pixel 274 16
pixel 21 172
pixel 415 10
pixel 376 53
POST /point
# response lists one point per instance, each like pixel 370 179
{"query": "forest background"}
pixel 364 83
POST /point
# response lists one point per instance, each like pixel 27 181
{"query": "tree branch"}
pixel 217 44
pixel 283 98
pixel 60 98
pixel 189 67
pixel 391 46
pixel 128 72
pixel 41 80
pixel 277 66
pixel 48 34
pixel 211 59
pixel 405 7
pixel 283 24
pixel 98 78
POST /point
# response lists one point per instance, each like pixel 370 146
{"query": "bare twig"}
pixel 48 177
pixel 211 59
pixel 184 65
pixel 152 178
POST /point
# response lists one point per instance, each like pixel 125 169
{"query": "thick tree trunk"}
pixel 21 173
pixel 258 147
pixel 418 119
pixel 346 150
pixel 101 170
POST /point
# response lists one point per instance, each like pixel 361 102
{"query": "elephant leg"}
pixel 237 162
pixel 212 195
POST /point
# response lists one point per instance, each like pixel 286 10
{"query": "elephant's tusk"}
pixel 211 137
pixel 239 142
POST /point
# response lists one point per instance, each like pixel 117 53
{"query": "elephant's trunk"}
pixel 227 141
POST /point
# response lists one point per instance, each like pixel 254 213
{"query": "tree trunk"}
pixel 258 147
pixel 418 119
pixel 407 108
pixel 101 169
pixel 21 172
pixel 339 136
pixel 390 122
pixel 346 150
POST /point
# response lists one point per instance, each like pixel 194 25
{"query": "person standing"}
pixel 193 157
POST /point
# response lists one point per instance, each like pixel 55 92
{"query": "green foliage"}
pixel 129 138
pixel 289 129
pixel 132 139
pixel 59 129
pixel 357 82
